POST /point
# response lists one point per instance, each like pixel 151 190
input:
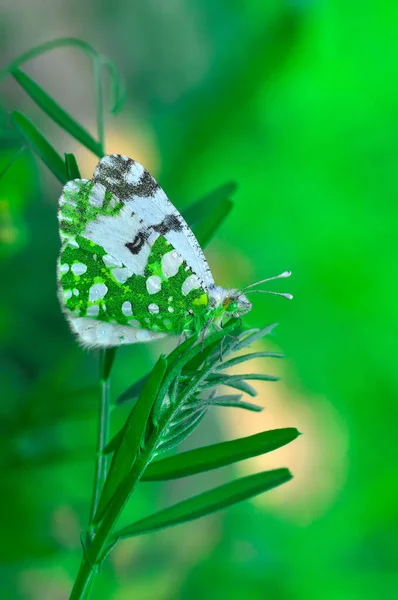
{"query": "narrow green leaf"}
pixel 219 455
pixel 206 215
pixel 192 352
pixel 206 229
pixel 195 349
pixel 242 386
pixel 134 432
pixel 251 377
pixel 114 443
pixel 245 357
pixel 201 209
pixel 118 91
pixel 134 390
pixel 72 170
pixel 57 113
pixel 246 341
pixel 214 379
pixel 106 362
pixel 233 379
pixel 40 145
pixel 195 363
pixel 233 402
pixel 228 397
pixel 181 349
pixel 208 502
pixel 179 434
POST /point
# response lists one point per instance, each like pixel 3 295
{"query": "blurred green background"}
pixel 298 102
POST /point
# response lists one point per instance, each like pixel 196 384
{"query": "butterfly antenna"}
pixel 283 294
pixel 280 276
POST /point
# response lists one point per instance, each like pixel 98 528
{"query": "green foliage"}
pixel 39 144
pixel 72 170
pixel 233 401
pixel 207 502
pixel 206 215
pixel 133 436
pixel 218 455
pixel 56 112
pixel 172 404
pixel 116 85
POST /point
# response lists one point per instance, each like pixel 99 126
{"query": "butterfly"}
pixel 130 268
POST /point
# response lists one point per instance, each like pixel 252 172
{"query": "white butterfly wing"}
pixel 131 183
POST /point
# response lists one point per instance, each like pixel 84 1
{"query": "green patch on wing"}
pixel 82 202
pixel 130 303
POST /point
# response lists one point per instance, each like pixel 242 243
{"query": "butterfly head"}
pixel 236 304
pixel 229 303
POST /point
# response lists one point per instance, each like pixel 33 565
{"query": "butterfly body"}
pixel 130 268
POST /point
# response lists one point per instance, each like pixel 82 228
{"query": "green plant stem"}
pixel 101 537
pixel 101 463
pixel 99 99
pixel 96 552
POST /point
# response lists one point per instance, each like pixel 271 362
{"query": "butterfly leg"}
pixel 182 338
pixel 218 328
pixel 204 332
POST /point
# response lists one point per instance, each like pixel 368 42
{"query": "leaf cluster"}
pixel 170 403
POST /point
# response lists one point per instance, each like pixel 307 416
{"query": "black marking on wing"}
pixel 169 223
pixel 147 186
pixel 112 172
pixel 138 242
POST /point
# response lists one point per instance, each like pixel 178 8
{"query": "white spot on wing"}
pixel 171 263
pixel 64 268
pixel 121 275
pixel 153 308
pixel 153 284
pixel 113 232
pixel 97 195
pixel 93 311
pixel 143 335
pixel 68 294
pixel 170 309
pixel 191 283
pixel 127 309
pixel 79 268
pixel 107 160
pixel 134 323
pixel 97 291
pixel 112 180
pixel 72 186
pixel 111 261
pixel 75 292
pixel 134 174
pixel 93 333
